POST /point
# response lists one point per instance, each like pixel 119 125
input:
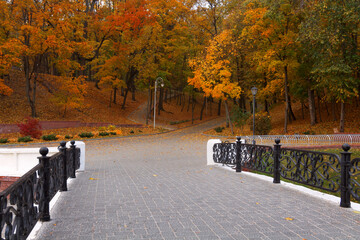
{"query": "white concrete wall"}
pixel 15 162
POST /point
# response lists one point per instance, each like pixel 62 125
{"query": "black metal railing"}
pixel 27 200
pixel 321 170
pixel 225 153
pixel 316 169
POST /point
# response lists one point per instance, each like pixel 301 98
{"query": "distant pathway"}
pixel 139 116
pixel 159 187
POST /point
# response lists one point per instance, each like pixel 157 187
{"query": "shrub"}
pixel 103 134
pixel 86 135
pixel 4 140
pixel 309 132
pixel 132 131
pixel 102 129
pixel 112 133
pixel 111 128
pixel 25 139
pixel 219 129
pixel 239 116
pixel 68 136
pixel 50 137
pixel 30 127
pixel 262 123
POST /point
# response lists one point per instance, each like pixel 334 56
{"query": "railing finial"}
pixel 277 141
pixel 346 147
pixel 44 151
pixel 62 144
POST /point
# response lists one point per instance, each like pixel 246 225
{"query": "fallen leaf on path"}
pixel 289 219
pixel 257 203
pixel 155 175
pixel 358 212
pixel 145 187
pixel 93 178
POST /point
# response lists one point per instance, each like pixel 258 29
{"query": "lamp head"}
pixel 254 91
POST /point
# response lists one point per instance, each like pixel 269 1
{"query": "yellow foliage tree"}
pixel 212 70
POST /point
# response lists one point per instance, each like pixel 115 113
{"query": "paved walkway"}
pixel 159 187
pixel 139 116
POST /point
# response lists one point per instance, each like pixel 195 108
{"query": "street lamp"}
pixel 161 81
pixel 254 91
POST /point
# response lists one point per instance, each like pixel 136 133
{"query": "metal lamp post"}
pixel 161 81
pixel 254 91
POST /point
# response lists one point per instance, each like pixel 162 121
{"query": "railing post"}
pixel 345 176
pixel 238 154
pixel 72 147
pixel 44 206
pixel 277 149
pixel 62 149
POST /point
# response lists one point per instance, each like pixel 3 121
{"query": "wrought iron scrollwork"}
pixel 317 169
pixel 225 153
pixel 257 157
pixel 19 209
pixel 354 181
pixel 69 162
pixel 77 158
pixel 56 173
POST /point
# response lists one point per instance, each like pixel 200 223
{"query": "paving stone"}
pixel 159 187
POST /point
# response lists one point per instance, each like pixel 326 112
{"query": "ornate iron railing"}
pixel 321 170
pixel 225 153
pixel 257 157
pixel 355 178
pixel 316 169
pixel 27 200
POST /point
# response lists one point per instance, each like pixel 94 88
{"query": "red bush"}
pixel 30 127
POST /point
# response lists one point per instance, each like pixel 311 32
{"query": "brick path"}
pixel 159 187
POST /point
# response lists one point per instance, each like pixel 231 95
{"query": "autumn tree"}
pixel 212 72
pixel 273 28
pixel 331 32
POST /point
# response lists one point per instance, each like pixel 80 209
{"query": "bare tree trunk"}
pixel 202 108
pixel 291 113
pixel 266 106
pixel 161 98
pixel 219 108
pixel 114 99
pixel 126 93
pixel 151 103
pixel 312 109
pixel 286 100
pixel 192 109
pixel 133 95
pixel 228 117
pixel 319 107
pixel 111 93
pixel 148 105
pixel 342 117
pixel 188 108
